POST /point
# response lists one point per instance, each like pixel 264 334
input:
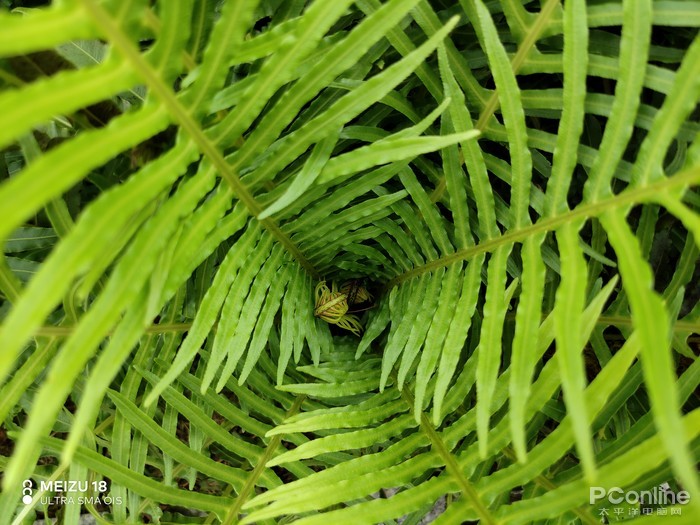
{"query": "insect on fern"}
pixel 356 292
pixel 332 306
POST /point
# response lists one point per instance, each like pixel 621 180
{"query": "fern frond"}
pixel 514 184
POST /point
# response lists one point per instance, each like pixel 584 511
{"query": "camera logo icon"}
pixel 27 491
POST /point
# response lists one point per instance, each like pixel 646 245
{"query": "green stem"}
pixel 635 195
pixel 232 516
pixel 182 116
pixel 467 488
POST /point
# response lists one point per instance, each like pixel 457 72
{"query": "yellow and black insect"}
pixel 332 307
pixel 356 292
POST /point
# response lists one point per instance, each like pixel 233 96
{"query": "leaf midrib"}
pixel 180 114
pixel 234 510
pixel 451 463
pixel 636 195
pixel 539 25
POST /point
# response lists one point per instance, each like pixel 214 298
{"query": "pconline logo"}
pixel 27 489
pixel 656 496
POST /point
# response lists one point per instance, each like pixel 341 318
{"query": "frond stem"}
pixel 544 482
pixel 625 320
pixel 232 515
pixel 466 487
pixel 183 117
pixel 521 54
pixel 678 326
pixel 67 330
pixel 516 63
pixel 632 196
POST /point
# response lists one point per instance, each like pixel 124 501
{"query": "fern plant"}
pixel 514 182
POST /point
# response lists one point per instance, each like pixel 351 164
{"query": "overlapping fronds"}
pixel 514 183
